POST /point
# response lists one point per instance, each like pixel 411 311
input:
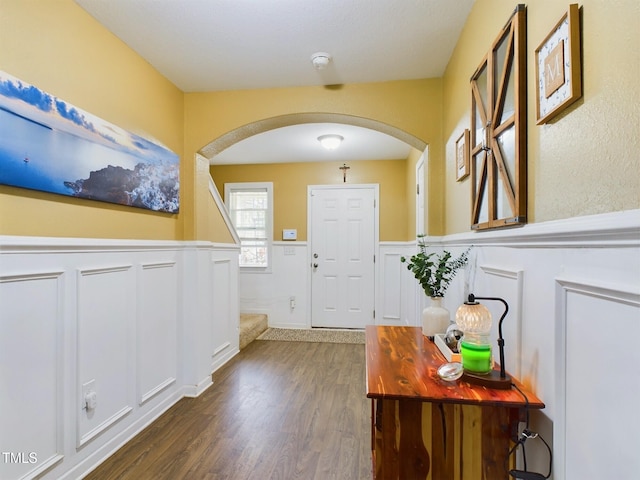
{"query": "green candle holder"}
pixel 476 358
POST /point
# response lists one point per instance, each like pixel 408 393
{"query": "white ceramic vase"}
pixel 435 318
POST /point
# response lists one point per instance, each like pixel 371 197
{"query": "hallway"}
pixel 278 410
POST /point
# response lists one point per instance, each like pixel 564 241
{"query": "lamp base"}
pixel 489 380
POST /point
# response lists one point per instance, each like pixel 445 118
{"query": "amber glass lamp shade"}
pixel 473 318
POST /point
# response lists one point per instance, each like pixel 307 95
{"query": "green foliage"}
pixel 434 272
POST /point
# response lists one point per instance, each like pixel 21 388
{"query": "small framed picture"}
pixel 558 67
pixel 462 155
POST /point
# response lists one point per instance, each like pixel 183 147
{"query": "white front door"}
pixel 343 233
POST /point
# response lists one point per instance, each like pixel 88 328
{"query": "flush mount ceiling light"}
pixel 330 142
pixel 320 60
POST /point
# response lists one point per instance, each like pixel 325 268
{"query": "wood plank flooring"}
pixel 278 410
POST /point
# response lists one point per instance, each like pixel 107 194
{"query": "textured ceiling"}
pixel 211 45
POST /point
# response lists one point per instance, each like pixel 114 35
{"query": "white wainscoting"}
pixel 525 266
pixel 508 281
pixel 157 338
pixel 391 297
pixel 399 297
pixel 224 294
pixel 142 324
pixel 106 328
pixel 31 368
pixel 598 384
pixel 283 293
pixel 573 288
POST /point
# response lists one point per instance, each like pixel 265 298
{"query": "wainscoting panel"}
pixel 284 293
pixel 130 320
pixel 504 282
pixel 31 352
pixel 391 296
pixel 225 335
pixel 157 329
pixel 598 380
pixel 106 323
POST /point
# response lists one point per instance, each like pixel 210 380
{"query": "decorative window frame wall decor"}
pixel 499 130
pixel 558 67
pixel 49 145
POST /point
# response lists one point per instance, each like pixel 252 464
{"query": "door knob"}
pixel 315 265
pixel 315 255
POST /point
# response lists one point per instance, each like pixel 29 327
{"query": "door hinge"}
pixel 374 203
pixel 417 189
pixel 374 259
pixel 374 314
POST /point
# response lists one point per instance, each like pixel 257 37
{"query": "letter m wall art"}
pixel 49 145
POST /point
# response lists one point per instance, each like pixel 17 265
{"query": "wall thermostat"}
pixel 289 234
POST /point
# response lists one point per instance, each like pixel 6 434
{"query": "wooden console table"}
pixel 426 428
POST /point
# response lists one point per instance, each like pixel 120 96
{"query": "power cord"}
pixel 524 436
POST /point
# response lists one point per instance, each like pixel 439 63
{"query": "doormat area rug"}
pixel 313 335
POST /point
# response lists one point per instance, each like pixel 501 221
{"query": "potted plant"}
pixel 434 273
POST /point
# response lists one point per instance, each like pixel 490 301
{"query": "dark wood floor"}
pixel 278 410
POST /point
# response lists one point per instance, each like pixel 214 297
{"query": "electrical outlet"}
pixel 89 395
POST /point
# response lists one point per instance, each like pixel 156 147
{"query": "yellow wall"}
pixel 414 107
pixel 587 161
pixel 290 182
pixel 59 48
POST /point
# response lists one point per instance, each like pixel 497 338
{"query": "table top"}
pixel 402 363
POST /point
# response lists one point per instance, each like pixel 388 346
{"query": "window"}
pixel 250 207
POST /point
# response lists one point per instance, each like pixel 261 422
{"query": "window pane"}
pixel 252 234
pixel 250 213
pixel 253 256
pixel 250 218
pixel 242 200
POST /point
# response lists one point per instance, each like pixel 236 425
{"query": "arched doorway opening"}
pixel 286 294
pixel 241 133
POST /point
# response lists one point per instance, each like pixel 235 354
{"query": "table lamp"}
pixel 474 319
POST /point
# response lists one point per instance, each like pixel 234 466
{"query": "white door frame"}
pixel 376 241
pixel 422 226
pixel 423 161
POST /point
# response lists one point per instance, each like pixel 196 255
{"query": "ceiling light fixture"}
pixel 320 60
pixel 330 142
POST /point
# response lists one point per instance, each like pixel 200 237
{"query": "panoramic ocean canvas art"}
pixel 49 145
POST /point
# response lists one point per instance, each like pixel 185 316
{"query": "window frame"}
pixel 497 178
pixel 229 189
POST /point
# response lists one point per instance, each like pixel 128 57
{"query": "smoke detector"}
pixel 320 60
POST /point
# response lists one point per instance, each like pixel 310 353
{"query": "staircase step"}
pixel 251 326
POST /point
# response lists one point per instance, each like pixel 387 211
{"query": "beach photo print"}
pixel 49 145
